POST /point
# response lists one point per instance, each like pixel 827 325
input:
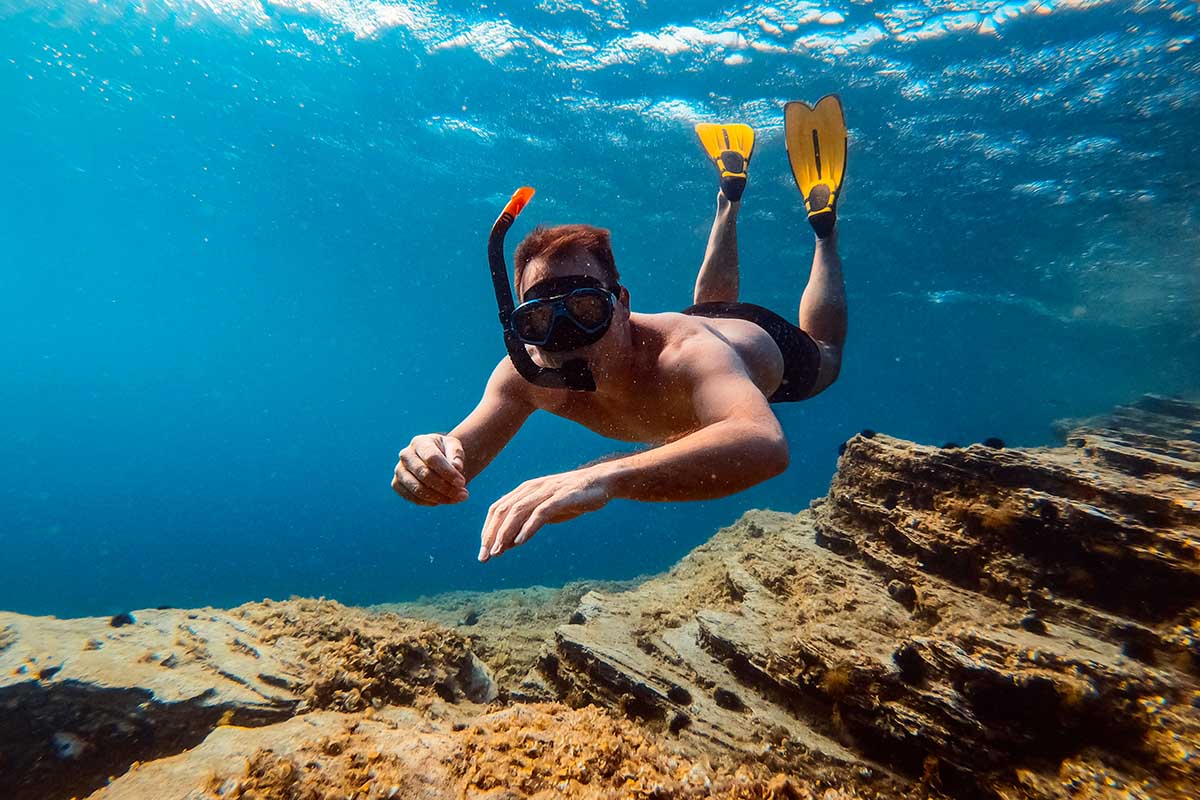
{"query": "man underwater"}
pixel 697 384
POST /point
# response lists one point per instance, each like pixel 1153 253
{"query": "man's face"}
pixel 550 278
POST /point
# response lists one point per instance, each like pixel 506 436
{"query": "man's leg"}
pixel 718 278
pixel 823 309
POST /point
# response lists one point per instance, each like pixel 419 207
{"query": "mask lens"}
pixel 590 307
pixel 532 321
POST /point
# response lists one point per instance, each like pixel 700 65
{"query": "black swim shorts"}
pixel 801 355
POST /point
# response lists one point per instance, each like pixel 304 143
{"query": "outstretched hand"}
pixel 517 516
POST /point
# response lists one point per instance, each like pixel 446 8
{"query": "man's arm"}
pixel 435 468
pixel 739 442
pixel 501 412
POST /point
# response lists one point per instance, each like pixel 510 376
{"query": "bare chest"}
pixel 654 415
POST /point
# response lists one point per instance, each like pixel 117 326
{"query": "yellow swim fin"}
pixel 730 148
pixel 816 147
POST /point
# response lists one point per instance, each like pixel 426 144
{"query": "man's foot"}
pixel 729 147
pixel 816 146
pixel 733 175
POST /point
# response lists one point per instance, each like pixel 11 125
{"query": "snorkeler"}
pixel 697 384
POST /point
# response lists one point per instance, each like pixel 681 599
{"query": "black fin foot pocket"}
pixel 733 174
pixel 732 187
pixel 822 222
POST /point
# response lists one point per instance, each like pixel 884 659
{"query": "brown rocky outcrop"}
pixel 986 621
pixel 967 622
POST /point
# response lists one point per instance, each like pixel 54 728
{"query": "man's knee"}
pixel 828 368
pixel 715 292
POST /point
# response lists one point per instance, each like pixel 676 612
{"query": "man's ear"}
pixel 624 297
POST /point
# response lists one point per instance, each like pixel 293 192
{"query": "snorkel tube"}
pixel 574 374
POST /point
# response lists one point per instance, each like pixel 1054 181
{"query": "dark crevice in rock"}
pixel 804 701
pixel 631 697
pixel 66 739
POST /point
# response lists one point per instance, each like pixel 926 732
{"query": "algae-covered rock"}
pixel 81 700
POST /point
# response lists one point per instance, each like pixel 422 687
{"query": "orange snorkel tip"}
pixel 519 200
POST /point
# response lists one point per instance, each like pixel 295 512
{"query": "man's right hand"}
pixel 430 471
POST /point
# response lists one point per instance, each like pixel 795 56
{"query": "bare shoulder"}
pixel 697 347
pixel 690 348
pixel 507 383
pixel 704 362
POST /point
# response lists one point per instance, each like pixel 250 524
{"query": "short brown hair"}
pixel 549 241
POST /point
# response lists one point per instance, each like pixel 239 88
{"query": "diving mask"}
pixel 564 313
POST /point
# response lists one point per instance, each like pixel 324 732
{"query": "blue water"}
pixel 242 258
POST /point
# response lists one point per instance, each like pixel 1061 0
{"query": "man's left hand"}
pixel 517 516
